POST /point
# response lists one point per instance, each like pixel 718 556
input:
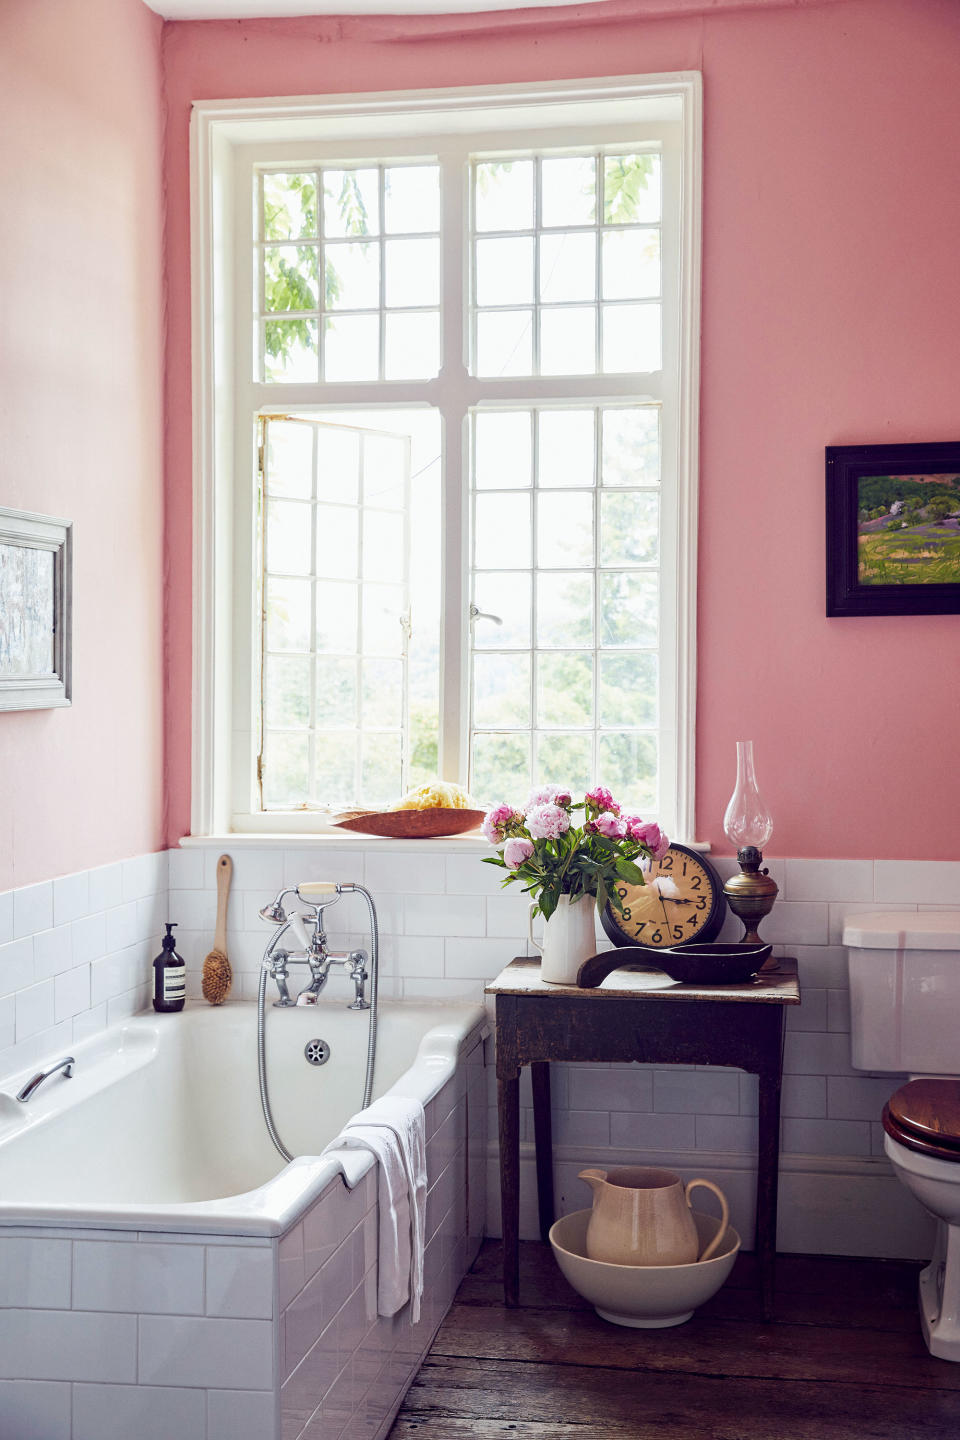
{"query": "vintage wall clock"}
pixel 682 902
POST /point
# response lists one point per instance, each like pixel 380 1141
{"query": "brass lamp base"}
pixel 750 896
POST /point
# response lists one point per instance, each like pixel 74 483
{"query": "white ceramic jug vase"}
pixel 641 1216
pixel 569 938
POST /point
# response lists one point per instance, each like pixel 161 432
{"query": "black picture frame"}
pixel 846 466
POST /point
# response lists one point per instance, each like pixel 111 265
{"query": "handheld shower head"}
pixel 274 912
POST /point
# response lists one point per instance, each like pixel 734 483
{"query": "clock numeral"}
pixel 692 921
pixel 642 926
pixel 677 931
pixel 666 863
pixel 696 882
pixel 626 913
pixel 684 867
pixel 701 902
pixel 656 937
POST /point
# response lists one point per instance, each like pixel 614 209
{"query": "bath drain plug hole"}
pixel 317 1052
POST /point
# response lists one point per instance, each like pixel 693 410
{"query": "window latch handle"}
pixel 477 614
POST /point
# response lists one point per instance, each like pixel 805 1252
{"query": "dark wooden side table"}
pixel 634 1015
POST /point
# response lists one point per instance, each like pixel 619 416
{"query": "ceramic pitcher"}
pixel 569 938
pixel 642 1216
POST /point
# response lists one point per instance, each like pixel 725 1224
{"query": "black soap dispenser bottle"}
pixel 169 976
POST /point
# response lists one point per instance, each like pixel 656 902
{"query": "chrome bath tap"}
pixel 310 949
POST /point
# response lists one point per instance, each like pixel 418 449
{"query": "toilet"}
pixel 905 1016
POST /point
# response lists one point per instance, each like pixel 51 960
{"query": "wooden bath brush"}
pixel 217 975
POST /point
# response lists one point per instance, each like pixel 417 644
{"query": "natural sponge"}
pixel 438 795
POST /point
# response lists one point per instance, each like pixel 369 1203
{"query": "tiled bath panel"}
pixel 109 1334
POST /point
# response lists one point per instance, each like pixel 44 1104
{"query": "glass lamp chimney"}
pixel 747 821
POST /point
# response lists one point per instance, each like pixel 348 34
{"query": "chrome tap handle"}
pixel 358 974
pixel 66 1065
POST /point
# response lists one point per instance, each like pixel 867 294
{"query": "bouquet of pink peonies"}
pixel 551 856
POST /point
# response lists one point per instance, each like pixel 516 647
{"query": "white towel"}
pixel 393 1129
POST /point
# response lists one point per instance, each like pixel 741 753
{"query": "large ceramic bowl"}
pixel 711 964
pixel 647 1297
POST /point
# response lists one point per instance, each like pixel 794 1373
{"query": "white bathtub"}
pixel 163 1272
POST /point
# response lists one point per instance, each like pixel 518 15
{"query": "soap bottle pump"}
pixel 169 976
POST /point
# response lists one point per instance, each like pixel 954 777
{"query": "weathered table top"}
pixel 776 987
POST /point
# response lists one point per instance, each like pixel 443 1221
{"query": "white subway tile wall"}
pixel 75 956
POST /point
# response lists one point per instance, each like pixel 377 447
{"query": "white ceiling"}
pixel 274 9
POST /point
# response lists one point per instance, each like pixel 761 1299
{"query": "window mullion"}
pixel 454 565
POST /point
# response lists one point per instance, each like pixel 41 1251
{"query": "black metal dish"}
pixel 712 964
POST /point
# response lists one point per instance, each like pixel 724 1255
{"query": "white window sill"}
pixel 345 839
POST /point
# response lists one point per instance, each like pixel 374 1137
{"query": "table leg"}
pixel 543 1143
pixel 508 1107
pixel 768 1164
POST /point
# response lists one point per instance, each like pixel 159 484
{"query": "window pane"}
pixel 628 689
pixel 565 609
pixel 568 341
pixel 500 768
pixel 385 462
pixel 352 348
pixel 335 770
pixel 502 449
pixel 629 607
pixel 380 769
pixel 286 689
pixel 351 202
pixel 565 689
pixel 568 191
pixel 631 338
pixel 631 189
pixel 628 766
pixel 338 463
pixel 352 276
pixel 631 446
pixel 565 760
pixel 412 202
pixel 338 541
pixel 336 702
pixel 288 605
pixel 566 448
pixel 289 206
pixel 503 195
pixel 412 272
pixel 383 614
pixel 383 694
pixel 290 351
pixel 629 528
pixel 336 616
pixel 501 690
pixel 505 342
pixel 505 271
pixel 290 278
pixel 382 546
pixel 289 543
pixel 631 264
pixel 564 529
pixel 502 531
pixel 413 346
pixel 289 469
pixel 568 267
pixel 286 769
pixel 508 596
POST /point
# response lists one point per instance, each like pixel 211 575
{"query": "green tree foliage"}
pixel 880 491
pixel 940 507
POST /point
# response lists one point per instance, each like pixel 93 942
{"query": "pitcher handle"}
pixel 724 1215
pixel 530 935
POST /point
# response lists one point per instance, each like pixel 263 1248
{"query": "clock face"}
pixel 682 901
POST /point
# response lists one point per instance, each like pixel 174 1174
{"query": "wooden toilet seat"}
pixel 924 1115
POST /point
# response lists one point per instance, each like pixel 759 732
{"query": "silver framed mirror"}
pixel 36 573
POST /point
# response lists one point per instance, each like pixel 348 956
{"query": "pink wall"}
pixel 831 315
pixel 80 415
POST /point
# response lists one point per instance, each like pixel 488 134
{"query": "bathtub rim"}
pixel 269 1210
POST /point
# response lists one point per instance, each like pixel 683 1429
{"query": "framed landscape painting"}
pixel 893 529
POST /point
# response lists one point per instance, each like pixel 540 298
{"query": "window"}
pixel 446 449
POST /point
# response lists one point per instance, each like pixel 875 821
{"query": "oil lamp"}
pixel 748 824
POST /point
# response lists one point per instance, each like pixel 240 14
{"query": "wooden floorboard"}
pixel 843 1359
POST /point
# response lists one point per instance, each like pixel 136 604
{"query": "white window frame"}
pixel 227 138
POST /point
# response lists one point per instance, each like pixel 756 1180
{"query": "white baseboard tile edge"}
pixel 827 1205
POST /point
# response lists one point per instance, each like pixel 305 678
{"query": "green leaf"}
pixel 629 872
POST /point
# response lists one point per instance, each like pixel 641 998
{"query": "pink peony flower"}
pixel 548 795
pixel 601 799
pixel 547 822
pixel 516 851
pixel 495 822
pixel 610 825
pixel 653 837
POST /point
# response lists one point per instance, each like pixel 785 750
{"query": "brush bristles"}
pixel 217 977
